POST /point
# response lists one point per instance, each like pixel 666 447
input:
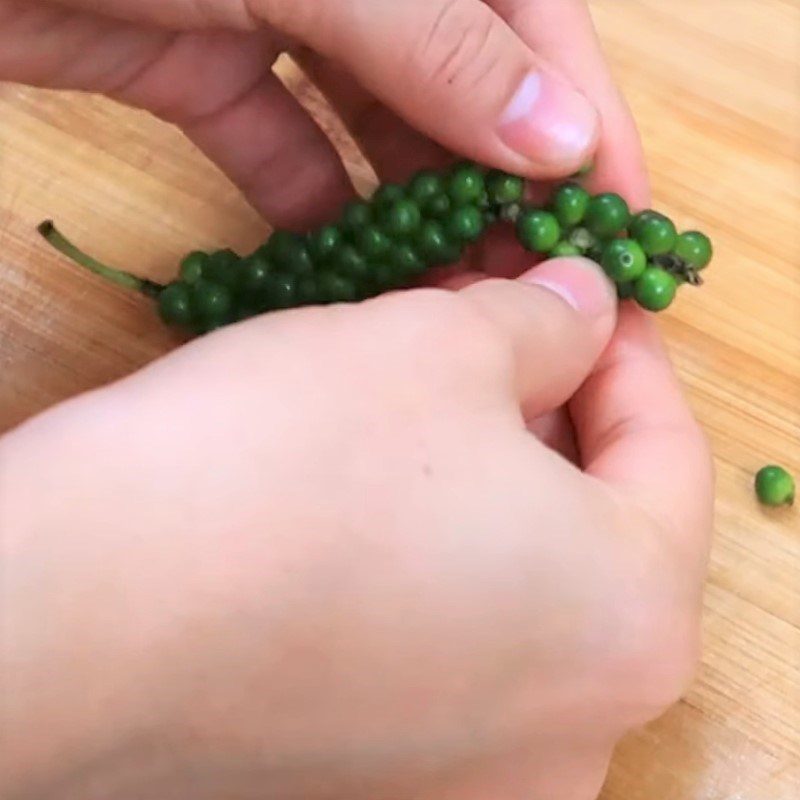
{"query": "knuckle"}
pixel 654 623
pixel 444 325
pixel 461 46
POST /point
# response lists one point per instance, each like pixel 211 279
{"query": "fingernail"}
pixel 577 281
pixel 548 121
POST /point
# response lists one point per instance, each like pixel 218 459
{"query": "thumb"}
pixel 455 70
pixel 558 318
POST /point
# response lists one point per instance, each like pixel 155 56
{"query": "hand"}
pixel 459 72
pixel 319 555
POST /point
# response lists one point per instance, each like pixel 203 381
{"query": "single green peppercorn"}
pixel 503 188
pixel 538 230
pixel 775 486
pixel 570 203
pixel 253 275
pixel 385 278
pixel 280 291
pixel 607 215
pixel 350 262
pixel 437 207
pixel 193 265
pixel 401 218
pixel 466 184
pixel 432 243
pixel 404 259
pixel 372 242
pixel 288 252
pixel 425 185
pixel 175 304
pixel 222 268
pixel 336 288
pixel 623 260
pixel 386 195
pixel 655 289
pixel 355 216
pixel 465 224
pixel 564 249
pixel 211 302
pixel 654 232
pixel 323 242
pixel 308 291
pixel 694 248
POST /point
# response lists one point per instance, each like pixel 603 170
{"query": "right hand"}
pixel 457 71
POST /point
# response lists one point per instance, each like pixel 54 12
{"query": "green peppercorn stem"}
pixel 64 246
pixel 391 239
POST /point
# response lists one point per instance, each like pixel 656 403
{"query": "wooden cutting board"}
pixel 714 85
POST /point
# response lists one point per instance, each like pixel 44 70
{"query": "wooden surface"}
pixel 714 85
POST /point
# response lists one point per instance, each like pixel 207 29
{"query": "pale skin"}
pixel 322 554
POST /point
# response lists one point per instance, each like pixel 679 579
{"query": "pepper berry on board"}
pixel 775 486
pixel 390 240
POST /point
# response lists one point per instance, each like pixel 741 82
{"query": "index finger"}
pixel 637 434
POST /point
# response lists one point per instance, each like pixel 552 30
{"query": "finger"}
pixel 562 31
pixel 216 85
pixel 637 433
pixel 390 144
pixel 555 430
pixel 219 89
pixel 558 318
pixel 455 71
pixel 276 154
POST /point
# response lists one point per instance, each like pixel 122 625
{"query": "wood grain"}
pixel 714 86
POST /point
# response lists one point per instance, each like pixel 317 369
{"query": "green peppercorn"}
pixel 623 260
pixel 466 184
pixel 503 188
pixel 425 185
pixel 253 277
pixel 401 218
pixel 694 248
pixel 350 262
pixel 655 289
pixel 372 242
pixel 288 252
pixel 564 250
pixel 404 259
pixel 385 278
pixel 323 242
pixel 386 195
pixel 336 288
pixel 193 265
pixel 281 290
pixel 222 268
pixel 570 203
pixel 175 304
pixel 212 303
pixel 465 224
pixel 308 291
pixel 538 230
pixel 356 215
pixel 437 207
pixel 433 244
pixel 607 215
pixel 775 486
pixel 654 232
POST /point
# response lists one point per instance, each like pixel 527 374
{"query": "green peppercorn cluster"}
pixel 401 232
